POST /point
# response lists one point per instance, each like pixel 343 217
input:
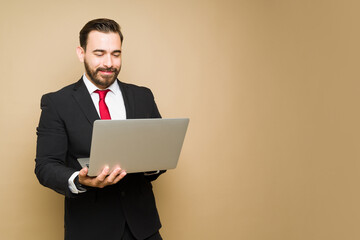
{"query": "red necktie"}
pixel 104 111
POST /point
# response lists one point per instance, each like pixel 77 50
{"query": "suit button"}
pixel 122 194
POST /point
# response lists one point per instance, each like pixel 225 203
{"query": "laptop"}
pixel 135 145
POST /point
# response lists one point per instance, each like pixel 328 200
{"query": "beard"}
pixel 100 80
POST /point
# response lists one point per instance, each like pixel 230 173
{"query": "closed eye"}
pixel 117 53
pixel 99 52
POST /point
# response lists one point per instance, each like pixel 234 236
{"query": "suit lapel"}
pixel 85 102
pixel 128 100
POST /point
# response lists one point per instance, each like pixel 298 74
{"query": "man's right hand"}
pixel 103 179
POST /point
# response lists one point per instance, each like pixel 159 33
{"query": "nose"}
pixel 107 61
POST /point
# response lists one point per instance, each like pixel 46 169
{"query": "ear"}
pixel 80 53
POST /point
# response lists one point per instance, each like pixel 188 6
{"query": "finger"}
pixel 83 175
pixel 119 177
pixel 113 175
pixel 101 177
pixel 83 172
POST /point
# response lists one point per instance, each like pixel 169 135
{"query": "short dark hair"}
pixel 102 25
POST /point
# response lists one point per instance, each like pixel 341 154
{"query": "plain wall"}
pixel 271 88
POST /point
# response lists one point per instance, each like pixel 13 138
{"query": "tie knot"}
pixel 102 93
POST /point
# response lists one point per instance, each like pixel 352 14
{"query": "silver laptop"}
pixel 135 145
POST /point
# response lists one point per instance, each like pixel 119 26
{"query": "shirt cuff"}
pixel 72 185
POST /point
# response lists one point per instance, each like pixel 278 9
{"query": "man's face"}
pixel 102 58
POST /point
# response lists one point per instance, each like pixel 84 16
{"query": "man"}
pixel 113 205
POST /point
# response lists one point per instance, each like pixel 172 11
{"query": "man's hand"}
pixel 103 179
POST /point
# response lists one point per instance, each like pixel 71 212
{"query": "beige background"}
pixel 271 88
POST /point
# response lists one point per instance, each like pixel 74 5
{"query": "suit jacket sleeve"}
pixel 155 111
pixel 154 114
pixel 52 144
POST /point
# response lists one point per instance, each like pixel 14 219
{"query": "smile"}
pixel 106 72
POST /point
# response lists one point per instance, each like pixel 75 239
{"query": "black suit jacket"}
pixel 64 134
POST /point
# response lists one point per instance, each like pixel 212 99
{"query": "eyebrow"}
pixel 103 51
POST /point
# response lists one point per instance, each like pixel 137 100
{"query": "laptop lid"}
pixel 136 145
